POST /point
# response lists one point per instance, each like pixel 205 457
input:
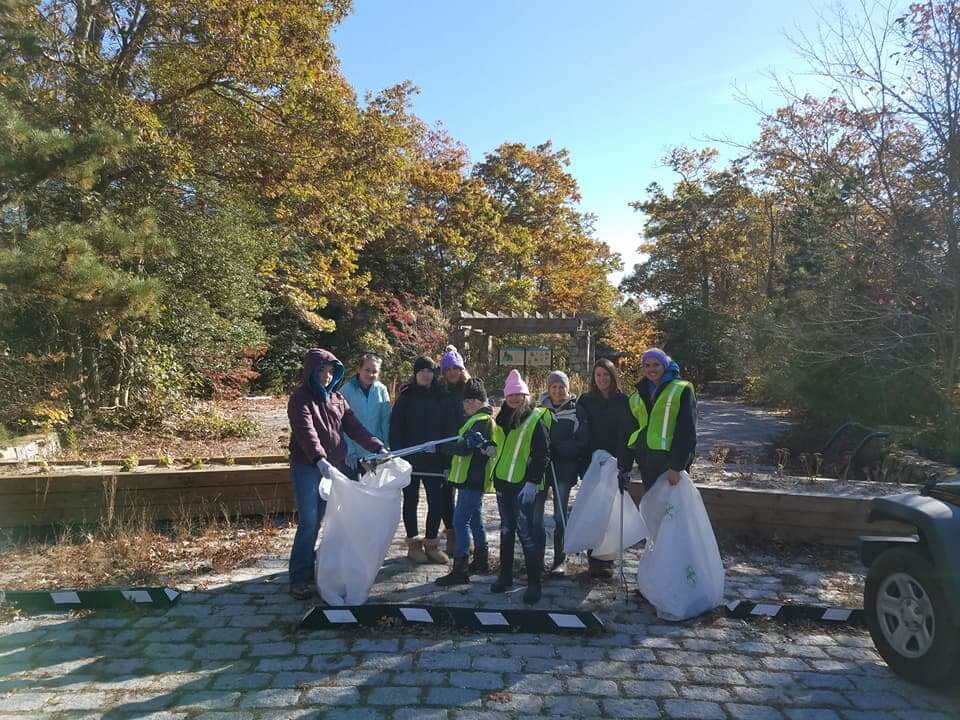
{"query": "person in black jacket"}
pixel 609 421
pixel 569 436
pixel 417 417
pixel 675 443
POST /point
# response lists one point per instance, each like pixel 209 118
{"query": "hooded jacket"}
pixel 418 417
pixel 319 416
pixel 653 463
pixel 569 437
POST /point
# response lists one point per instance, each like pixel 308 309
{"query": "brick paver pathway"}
pixel 230 650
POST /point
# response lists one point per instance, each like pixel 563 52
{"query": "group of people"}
pixel 524 451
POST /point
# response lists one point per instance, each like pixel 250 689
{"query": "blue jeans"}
pixel 310 508
pixel 524 520
pixel 468 518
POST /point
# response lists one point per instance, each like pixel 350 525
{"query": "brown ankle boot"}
pixel 415 550
pixel 434 554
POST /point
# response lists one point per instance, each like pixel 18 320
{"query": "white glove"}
pixel 490 450
pixel 325 468
pixel 527 493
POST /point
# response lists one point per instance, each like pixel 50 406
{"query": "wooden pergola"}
pixel 474 333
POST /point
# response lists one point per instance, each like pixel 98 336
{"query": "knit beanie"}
pixel 515 384
pixel 451 359
pixel 423 363
pixel 558 376
pixel 473 389
pixel 657 354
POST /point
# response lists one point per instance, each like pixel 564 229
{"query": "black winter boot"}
pixel 559 558
pixel 505 579
pixel 531 595
pixel 480 565
pixel 460 575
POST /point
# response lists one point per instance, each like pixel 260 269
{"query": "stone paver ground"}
pixel 230 650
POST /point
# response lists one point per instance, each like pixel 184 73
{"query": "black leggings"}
pixel 438 500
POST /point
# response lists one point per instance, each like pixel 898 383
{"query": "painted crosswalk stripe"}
pixel 416 615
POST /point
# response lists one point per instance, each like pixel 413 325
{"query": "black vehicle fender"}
pixel 938 535
pixel 872 545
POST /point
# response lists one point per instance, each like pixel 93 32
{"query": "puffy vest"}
pixel 460 466
pixel 515 448
pixel 662 421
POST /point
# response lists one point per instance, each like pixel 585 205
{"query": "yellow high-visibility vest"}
pixel 515 449
pixel 662 421
pixel 460 466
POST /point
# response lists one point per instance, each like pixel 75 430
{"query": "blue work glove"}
pixel 325 468
pixel 527 493
pixel 474 440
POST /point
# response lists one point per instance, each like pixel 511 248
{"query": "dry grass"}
pixel 132 550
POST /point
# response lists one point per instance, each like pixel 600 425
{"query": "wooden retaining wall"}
pixel 37 501
pixel 777 514
pixel 43 500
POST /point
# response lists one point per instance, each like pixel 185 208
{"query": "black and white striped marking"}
pixel 527 621
pixel 744 610
pixel 39 601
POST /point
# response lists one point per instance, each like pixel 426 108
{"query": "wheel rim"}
pixel 905 615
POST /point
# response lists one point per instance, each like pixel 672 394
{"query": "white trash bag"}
pixel 594 522
pixel 634 528
pixel 359 524
pixel 680 573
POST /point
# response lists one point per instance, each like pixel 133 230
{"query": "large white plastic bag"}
pixel 680 573
pixel 634 528
pixel 594 522
pixel 588 519
pixel 359 524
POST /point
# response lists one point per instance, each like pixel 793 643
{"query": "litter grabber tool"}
pixel 557 499
pixel 403 452
pixel 623 577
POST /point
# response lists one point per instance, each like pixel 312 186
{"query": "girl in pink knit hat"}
pixel 522 458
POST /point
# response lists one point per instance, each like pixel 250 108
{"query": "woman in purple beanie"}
pixel 664 410
pixel 453 380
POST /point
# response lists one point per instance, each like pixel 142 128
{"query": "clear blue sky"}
pixel 617 82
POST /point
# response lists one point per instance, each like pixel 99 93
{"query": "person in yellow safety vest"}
pixel 664 437
pixel 471 471
pixel 518 478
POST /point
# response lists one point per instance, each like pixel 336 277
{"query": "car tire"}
pixel 911 624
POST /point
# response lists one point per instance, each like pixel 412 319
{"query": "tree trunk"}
pixel 772 258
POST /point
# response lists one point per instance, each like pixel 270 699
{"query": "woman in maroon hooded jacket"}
pixel 318 415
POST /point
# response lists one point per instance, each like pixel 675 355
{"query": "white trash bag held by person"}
pixel 634 528
pixel 594 522
pixel 358 526
pixel 680 573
